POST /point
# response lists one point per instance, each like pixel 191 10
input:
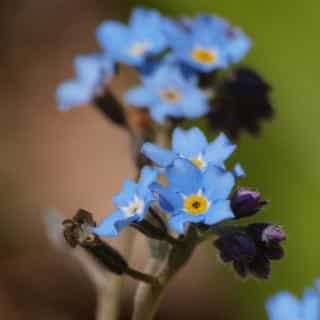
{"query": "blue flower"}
pixel 285 306
pixel 92 74
pixel 168 93
pixel 206 43
pixel 195 196
pixel 134 43
pixel 132 204
pixel 192 145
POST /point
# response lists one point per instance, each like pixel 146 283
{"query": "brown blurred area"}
pixel 66 161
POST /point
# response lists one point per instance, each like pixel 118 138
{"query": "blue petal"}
pixel 148 176
pixel 195 103
pixel 141 18
pixel 284 306
pixel 112 225
pixel 217 182
pixel 184 177
pixel 219 150
pixel 113 37
pixel 180 221
pixel 126 195
pixel 168 200
pixel 140 97
pixel 71 94
pixel 238 46
pixel 238 171
pixel 88 69
pixel 160 112
pixel 311 305
pixel 160 156
pixel 219 211
pixel 189 143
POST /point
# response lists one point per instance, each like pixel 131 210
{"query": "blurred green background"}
pixel 59 160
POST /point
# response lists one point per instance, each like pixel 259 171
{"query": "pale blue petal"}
pixel 218 212
pixel 110 226
pixel 140 97
pixel 169 200
pixel 71 94
pixel 188 143
pixel 148 175
pixel 126 195
pixel 217 182
pixel 158 115
pixel 113 37
pixel 311 305
pixel 195 103
pixel 184 177
pixel 180 221
pixel 88 69
pixel 284 306
pixel 238 171
pixel 219 150
pixel 160 156
pixel 238 46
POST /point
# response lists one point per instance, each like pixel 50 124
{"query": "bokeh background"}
pixel 77 159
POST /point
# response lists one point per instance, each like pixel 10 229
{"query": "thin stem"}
pixel 173 241
pixel 138 275
pixel 157 217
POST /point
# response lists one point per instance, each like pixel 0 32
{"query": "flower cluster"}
pixel 179 63
pixel 198 192
pixel 284 305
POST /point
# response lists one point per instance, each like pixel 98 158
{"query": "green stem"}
pixel 141 276
pixel 148 297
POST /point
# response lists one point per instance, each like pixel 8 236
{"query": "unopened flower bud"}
pixel 246 202
pixel 273 233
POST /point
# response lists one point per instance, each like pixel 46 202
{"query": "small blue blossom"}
pixel 285 306
pixel 132 44
pixel 193 145
pixel 167 92
pixel 92 74
pixel 206 43
pixel 195 196
pixel 132 204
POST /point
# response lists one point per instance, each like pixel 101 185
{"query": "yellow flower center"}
pixel 204 56
pixel 170 95
pixel 198 162
pixel 139 48
pixel 196 204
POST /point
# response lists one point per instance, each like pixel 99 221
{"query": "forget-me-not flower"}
pixel 285 306
pixel 206 43
pixel 132 44
pixel 195 196
pixel 167 92
pixel 92 74
pixel 192 145
pixel 132 204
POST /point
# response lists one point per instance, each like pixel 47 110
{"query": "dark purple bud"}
pixel 273 233
pixel 246 202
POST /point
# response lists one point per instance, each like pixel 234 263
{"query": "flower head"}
pixel 284 306
pixel 242 101
pixel 132 204
pixel 132 44
pixel 92 74
pixel 195 196
pixel 249 249
pixel 192 145
pixel 167 92
pixel 206 43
